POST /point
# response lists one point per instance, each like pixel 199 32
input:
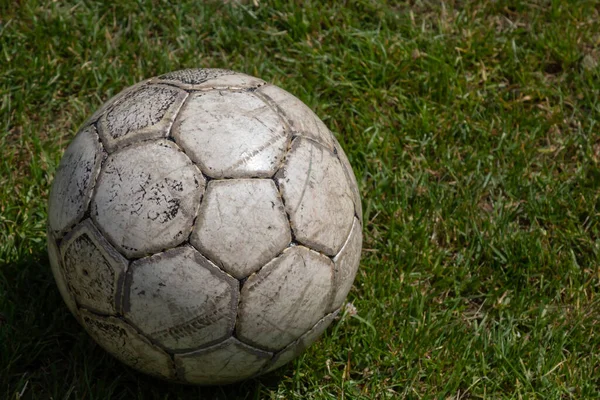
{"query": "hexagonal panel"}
pixel 303 120
pixel 317 196
pixel 209 78
pixel 351 179
pixel 231 134
pixel 147 197
pixel 58 272
pixel 74 181
pixel 144 113
pixel 94 270
pixel 241 224
pixel 181 300
pixel 285 298
pixel 123 342
pixel 346 264
pixel 297 347
pixel 226 362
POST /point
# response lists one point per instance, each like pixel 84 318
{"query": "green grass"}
pixel 473 130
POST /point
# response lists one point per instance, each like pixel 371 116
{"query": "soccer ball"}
pixel 204 226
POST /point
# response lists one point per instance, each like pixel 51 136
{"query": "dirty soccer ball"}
pixel 204 226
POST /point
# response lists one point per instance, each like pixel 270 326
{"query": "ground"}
pixel 472 127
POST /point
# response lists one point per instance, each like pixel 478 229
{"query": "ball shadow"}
pixel 45 353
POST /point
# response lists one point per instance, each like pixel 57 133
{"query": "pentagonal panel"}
pixel 241 224
pixel 351 179
pixel 317 196
pixel 123 342
pixel 231 134
pixel 346 264
pixel 303 120
pixel 181 300
pixel 147 197
pixel 208 79
pixel 74 181
pixel 226 362
pixel 58 272
pixel 285 298
pixel 114 100
pixel 296 348
pixel 93 268
pixel 144 113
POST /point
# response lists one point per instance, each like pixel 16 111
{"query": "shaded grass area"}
pixel 472 128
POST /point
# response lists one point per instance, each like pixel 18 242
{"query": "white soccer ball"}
pixel 204 226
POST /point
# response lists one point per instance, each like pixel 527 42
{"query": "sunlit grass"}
pixel 473 132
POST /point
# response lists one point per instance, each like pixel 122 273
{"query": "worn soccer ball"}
pixel 204 226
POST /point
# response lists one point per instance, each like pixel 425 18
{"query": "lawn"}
pixel 472 127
